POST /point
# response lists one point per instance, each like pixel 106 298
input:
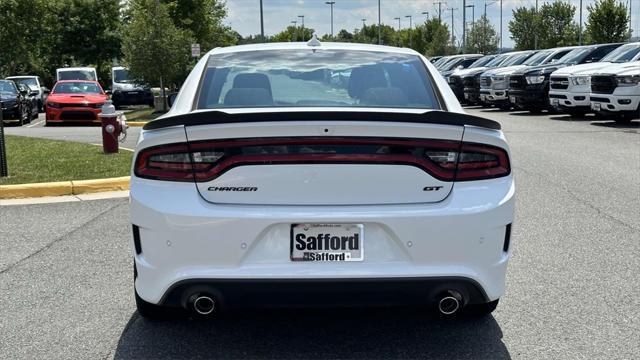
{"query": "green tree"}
pixel 203 19
pixel 607 22
pixel 437 38
pixel 293 33
pixel 557 25
pixel 369 35
pixel 155 50
pixel 524 28
pixel 87 33
pixel 482 38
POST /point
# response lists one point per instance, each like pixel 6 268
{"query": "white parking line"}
pixel 34 124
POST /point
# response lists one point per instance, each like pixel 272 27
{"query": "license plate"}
pixel 327 242
pixel 466 96
pixel 483 97
pixel 133 93
pixel 595 106
pixel 512 99
pixel 555 102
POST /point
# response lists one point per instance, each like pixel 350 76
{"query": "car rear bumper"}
pixel 184 239
pixel 275 293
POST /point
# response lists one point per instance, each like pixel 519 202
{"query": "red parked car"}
pixel 75 101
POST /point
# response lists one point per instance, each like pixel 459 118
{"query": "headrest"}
pixel 365 77
pixel 248 97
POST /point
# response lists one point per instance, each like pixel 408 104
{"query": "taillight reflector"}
pixel 204 161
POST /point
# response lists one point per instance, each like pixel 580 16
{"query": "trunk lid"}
pixel 323 162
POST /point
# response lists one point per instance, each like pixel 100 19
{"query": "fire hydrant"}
pixel 113 125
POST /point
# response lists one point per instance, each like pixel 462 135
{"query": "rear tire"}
pixel 480 310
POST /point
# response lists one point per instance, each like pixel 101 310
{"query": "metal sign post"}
pixel 3 151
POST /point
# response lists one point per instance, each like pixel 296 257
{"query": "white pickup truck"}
pixel 570 86
pixel 615 92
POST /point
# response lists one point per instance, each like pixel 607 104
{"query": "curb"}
pixel 59 188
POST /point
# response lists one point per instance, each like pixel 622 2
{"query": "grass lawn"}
pixel 145 114
pixel 32 160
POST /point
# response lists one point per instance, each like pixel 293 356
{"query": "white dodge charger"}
pixel 319 174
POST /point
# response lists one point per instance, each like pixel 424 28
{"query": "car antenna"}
pixel 314 41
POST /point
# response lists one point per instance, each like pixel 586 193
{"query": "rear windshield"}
pixel 76 88
pixel 316 78
pixel 76 75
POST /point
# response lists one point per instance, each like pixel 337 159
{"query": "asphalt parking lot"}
pixel 572 287
pixel 85 133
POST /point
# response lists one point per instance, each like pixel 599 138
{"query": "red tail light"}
pixel 204 161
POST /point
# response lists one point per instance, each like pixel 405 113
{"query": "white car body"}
pixel 570 86
pixel 191 240
pixel 617 99
pixel 76 73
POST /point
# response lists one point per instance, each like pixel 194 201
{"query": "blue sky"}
pixel 348 14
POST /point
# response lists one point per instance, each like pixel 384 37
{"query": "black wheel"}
pixel 40 106
pixel 577 114
pixel 481 309
pixel 535 111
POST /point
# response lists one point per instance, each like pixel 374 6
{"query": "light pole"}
pixel 484 26
pixel 295 26
pixel 410 29
pixel 399 25
pixel 261 22
pixel 379 34
pixel 363 25
pixel 464 25
pixel 500 52
pixel 453 40
pixel 440 10
pixel 580 36
pixel 473 20
pixel 426 13
pixel 331 3
pixel 3 151
pixel 302 17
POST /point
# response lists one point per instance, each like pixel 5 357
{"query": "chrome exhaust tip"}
pixel 203 305
pixel 450 303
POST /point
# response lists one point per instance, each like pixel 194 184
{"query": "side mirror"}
pixel 24 92
pixel 109 92
pixel 459 67
pixel 45 90
pixel 33 93
pixel 171 99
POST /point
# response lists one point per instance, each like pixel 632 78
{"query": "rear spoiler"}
pixel 220 117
